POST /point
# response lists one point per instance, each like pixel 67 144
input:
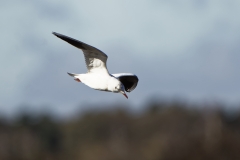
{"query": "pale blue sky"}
pixel 187 49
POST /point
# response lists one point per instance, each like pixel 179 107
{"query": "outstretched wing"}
pixel 129 80
pixel 95 59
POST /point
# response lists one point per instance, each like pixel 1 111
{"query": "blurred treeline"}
pixel 163 131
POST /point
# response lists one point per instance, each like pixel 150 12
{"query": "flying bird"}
pixel 97 76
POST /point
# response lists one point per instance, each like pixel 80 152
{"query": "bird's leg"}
pixel 77 79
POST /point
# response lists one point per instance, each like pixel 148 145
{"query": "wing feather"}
pixel 95 59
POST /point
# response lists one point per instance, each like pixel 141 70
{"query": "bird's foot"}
pixel 77 79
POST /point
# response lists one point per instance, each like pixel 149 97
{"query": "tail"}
pixel 72 74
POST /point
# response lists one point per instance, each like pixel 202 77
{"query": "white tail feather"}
pixel 73 74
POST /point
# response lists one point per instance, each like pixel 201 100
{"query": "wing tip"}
pixel 78 43
pixel 56 34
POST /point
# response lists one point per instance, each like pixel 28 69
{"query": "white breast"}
pixel 95 80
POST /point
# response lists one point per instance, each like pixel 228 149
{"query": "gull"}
pixel 97 76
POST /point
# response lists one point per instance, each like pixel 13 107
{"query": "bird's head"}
pixel 117 87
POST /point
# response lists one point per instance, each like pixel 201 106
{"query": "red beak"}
pixel 125 95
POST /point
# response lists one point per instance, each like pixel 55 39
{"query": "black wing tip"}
pixel 71 41
pixel 78 43
pixel 56 34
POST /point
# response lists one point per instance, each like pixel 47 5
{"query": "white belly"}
pixel 95 81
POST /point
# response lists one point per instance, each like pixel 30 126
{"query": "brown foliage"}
pixel 162 132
